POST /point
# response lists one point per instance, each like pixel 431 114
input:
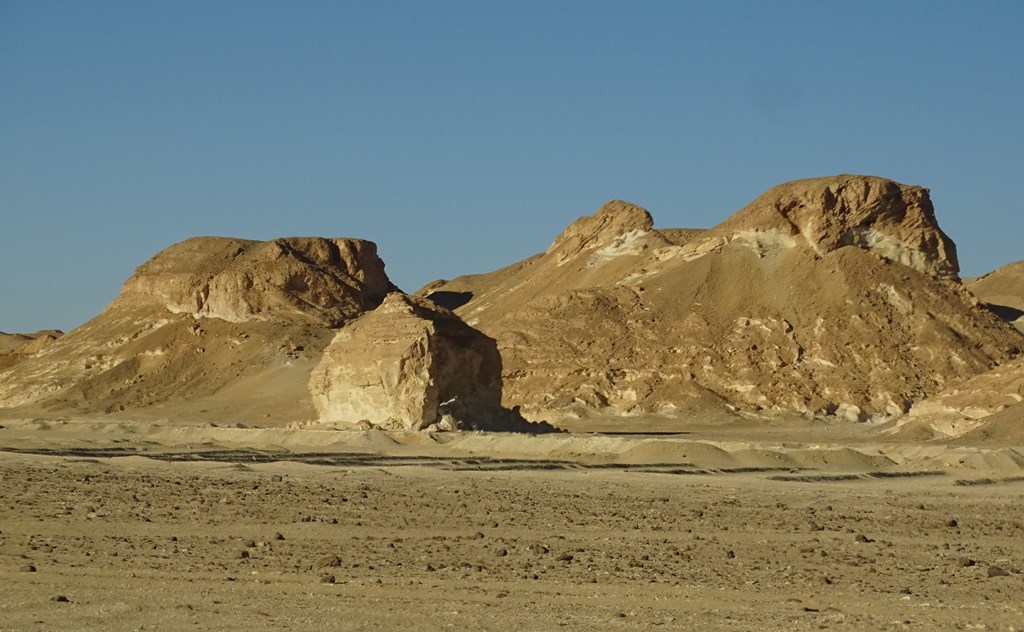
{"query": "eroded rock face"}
pixel 210 326
pixel 313 279
pixel 612 221
pixel 833 296
pixel 892 220
pixel 406 365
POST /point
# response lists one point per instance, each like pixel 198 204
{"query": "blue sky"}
pixel 463 136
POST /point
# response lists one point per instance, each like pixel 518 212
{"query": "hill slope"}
pixel 829 296
pixel 1003 292
pixel 210 326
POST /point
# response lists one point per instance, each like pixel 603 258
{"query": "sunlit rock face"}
pixel 405 365
pixel 834 296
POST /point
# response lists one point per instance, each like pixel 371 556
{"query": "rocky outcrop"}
pixel 833 297
pixel 615 221
pixel 215 328
pixel 894 221
pixel 410 365
pixel 325 281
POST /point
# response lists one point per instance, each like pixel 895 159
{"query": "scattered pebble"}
pixel 328 561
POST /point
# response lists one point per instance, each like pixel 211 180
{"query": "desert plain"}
pixel 107 526
pixel 800 419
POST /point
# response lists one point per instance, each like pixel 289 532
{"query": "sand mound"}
pixel 203 318
pixel 664 451
pixel 834 296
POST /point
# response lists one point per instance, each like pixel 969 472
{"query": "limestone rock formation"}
pixel 892 220
pixel 834 296
pixel 217 328
pixel 613 223
pixel 410 365
pixel 318 280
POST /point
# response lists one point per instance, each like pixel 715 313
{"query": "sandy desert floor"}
pixel 110 525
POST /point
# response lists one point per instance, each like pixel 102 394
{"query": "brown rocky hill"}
pixel 829 296
pixel 1003 291
pixel 210 327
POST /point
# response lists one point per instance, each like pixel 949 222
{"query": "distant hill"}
pixel 15 347
pixel 1003 292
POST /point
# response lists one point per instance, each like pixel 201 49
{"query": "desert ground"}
pixel 801 418
pixel 113 525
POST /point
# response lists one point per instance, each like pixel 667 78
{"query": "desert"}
pixel 801 418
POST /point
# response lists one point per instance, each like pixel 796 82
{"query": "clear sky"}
pixel 464 136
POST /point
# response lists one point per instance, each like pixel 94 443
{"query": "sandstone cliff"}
pixel 833 296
